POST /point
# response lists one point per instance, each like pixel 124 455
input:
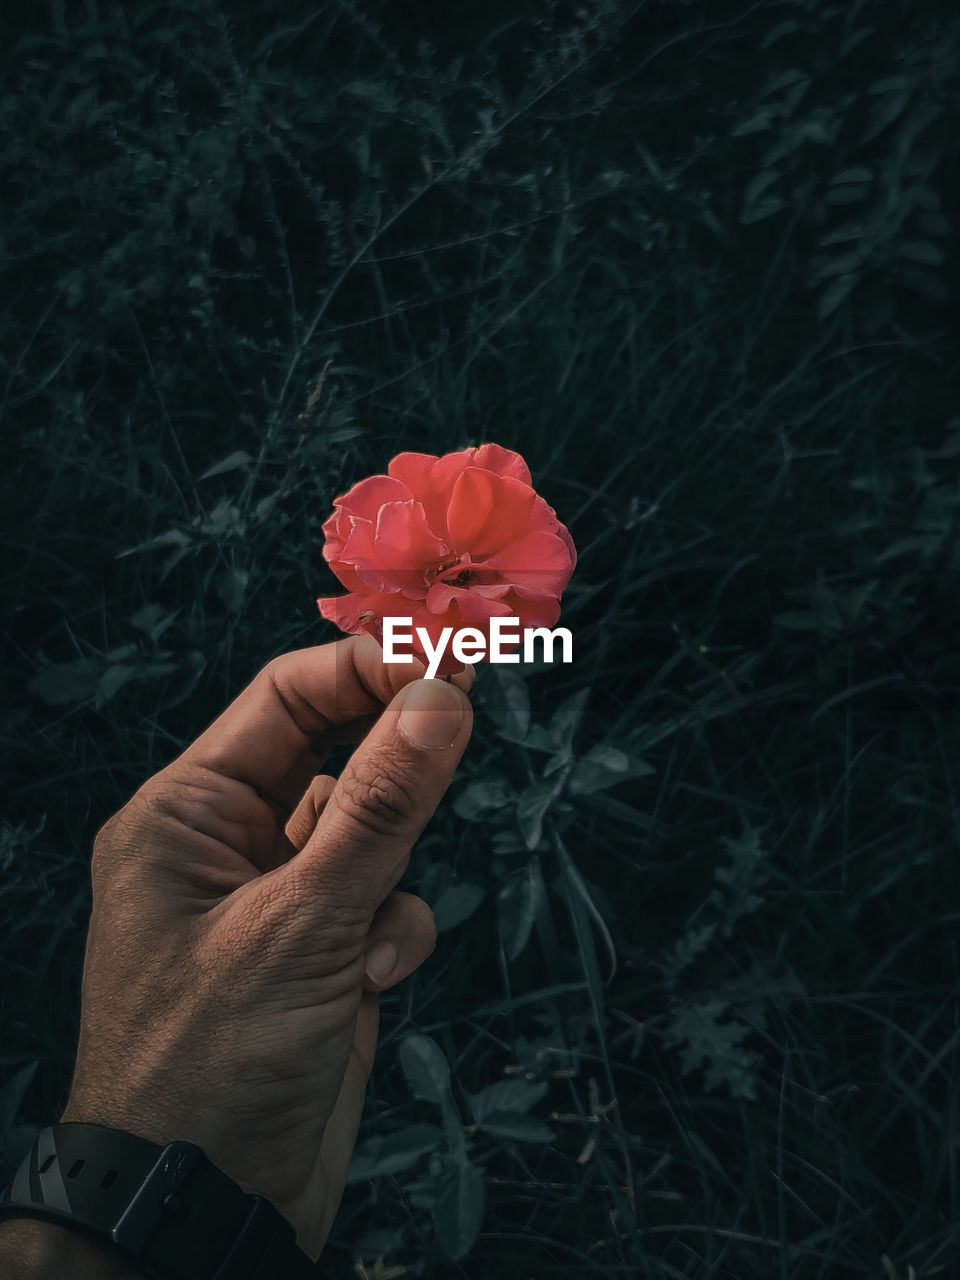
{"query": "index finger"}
pixel 296 699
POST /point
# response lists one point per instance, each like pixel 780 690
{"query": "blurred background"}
pixel 693 1011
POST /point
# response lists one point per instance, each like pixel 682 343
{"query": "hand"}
pixel 235 898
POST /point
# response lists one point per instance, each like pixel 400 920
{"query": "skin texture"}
pixel 235 897
pixel 37 1249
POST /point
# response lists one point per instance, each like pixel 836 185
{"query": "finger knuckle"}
pixel 279 676
pixel 381 801
pixel 115 852
pixel 111 838
pixel 277 923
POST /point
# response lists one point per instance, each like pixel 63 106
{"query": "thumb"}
pixel 383 799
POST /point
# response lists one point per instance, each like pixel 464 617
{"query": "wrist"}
pixel 37 1249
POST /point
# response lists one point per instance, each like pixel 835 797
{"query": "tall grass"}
pixel 693 1010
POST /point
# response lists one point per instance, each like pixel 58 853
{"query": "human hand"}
pixel 235 897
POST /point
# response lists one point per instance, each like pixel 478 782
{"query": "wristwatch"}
pixel 169 1209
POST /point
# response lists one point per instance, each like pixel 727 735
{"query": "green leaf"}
pixel 783 80
pixel 231 587
pixel 434 880
pixel 380 1156
pixel 566 717
pixel 780 29
pixel 885 112
pixel 925 283
pixel 532 808
pixel 843 234
pixel 457 903
pixel 539 739
pixel 65 682
pixel 426 1068
pixel 506 1096
pixel 856 37
pixel 508 841
pixel 798 620
pixel 507 699
pixel 11 1095
pixel 26 43
pixel 759 184
pixel 225 518
pixel 765 209
pixel 686 949
pixel 517 903
pixel 625 812
pixel 458 1207
pixel 555 764
pixel 923 251
pixel 857 175
pixel 835 294
pixel 480 798
pixel 579 893
pixel 230 463
pixel 934 224
pixel 344 435
pixel 172 538
pixel 893 677
pixel 610 759
pixel 116 677
pixel 845 194
pixel 142 14
pixel 760 120
pixel 822 268
pixel 604 766
pixel 508 1124
pixel 154 620
pixel 896 84
pixel 705 1042
pixel 920 196
pixel 899 546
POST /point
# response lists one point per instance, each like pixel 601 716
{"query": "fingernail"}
pixel 381 962
pixel 431 714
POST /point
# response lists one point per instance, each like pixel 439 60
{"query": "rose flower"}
pixel 448 542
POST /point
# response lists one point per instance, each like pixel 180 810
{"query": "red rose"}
pixel 448 542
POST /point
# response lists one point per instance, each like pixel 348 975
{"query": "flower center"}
pixel 460 579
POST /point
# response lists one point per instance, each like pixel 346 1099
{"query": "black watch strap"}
pixel 168 1208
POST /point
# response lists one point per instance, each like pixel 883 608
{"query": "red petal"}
pixel 345 611
pixel 404 540
pixel 360 551
pixel 534 613
pixel 367 496
pixel 475 610
pixel 348 576
pixel 488 512
pixel 357 613
pixel 539 560
pixel 488 457
pixel 504 462
pixel 416 471
pixel 413 470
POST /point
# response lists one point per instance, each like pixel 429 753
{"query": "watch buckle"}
pixel 141 1216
